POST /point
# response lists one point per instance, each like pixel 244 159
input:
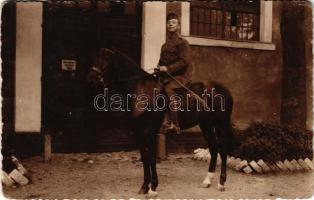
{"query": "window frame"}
pixel 265 34
pixel 211 20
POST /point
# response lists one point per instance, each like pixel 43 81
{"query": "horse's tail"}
pixel 221 89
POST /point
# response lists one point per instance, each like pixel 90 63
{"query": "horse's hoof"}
pixel 206 185
pixel 221 187
pixel 143 190
pixel 151 194
pixel 207 181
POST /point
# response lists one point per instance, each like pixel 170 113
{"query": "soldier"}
pixel 175 60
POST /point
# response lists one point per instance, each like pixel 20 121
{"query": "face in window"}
pixel 173 25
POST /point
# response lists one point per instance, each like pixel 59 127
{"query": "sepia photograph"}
pixel 110 99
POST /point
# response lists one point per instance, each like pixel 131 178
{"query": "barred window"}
pixel 230 20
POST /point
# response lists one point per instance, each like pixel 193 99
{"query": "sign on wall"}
pixel 68 64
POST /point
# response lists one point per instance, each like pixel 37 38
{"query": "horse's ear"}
pixel 105 51
pixel 101 51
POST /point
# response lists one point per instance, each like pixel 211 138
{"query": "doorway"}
pixel 72 33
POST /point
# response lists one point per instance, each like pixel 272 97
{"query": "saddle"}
pixel 196 87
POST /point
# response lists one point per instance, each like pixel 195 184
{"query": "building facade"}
pixel 241 46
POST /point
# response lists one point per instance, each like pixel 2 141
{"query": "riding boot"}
pixel 166 121
pixel 165 124
pixel 170 123
pixel 174 127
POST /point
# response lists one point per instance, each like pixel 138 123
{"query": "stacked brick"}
pixel 259 166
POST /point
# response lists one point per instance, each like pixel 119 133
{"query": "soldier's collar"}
pixel 173 36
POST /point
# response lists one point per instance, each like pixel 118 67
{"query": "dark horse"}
pixel 112 69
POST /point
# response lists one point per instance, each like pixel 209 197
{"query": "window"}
pixel 226 20
pixel 239 24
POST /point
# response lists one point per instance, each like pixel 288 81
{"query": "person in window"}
pixel 175 60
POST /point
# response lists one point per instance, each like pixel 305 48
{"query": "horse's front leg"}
pixel 147 144
pixel 147 172
pixel 152 158
pixel 154 182
pixel 147 176
pixel 148 155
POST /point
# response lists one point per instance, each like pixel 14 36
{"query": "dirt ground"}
pixel 119 175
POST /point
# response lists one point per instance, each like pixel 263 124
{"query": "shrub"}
pixel 273 142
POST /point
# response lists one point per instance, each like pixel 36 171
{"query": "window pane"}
pixel 207 16
pixel 256 21
pixel 206 30
pixel 219 17
pixel 256 34
pixel 213 16
pixel 227 32
pixel 228 18
pixel 233 32
pixel 194 28
pixel 239 19
pixel 219 31
pixel 201 15
pixel 233 20
pixel 201 29
pixel 194 14
pixel 213 30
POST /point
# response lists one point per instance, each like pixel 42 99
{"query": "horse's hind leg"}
pixel 209 134
pixel 223 173
pixel 225 140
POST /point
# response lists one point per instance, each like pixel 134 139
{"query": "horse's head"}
pixel 101 63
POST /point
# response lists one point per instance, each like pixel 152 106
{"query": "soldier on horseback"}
pixel 175 60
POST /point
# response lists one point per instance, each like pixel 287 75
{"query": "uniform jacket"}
pixel 175 55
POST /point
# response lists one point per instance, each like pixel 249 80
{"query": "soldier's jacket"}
pixel 175 55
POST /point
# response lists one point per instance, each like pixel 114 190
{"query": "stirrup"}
pixel 172 128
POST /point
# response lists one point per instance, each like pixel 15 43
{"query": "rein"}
pixel 100 72
pixel 101 79
pixel 147 75
pixel 130 78
pixel 190 91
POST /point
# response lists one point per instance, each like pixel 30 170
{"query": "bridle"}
pixel 100 73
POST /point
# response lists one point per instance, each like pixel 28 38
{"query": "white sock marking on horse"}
pixel 221 187
pixel 208 178
pixel 151 193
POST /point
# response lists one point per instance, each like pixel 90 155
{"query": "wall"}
pixel 153 33
pixel 309 65
pixel 28 67
pixel 253 76
pixel 7 72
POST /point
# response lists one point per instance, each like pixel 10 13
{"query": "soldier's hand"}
pixel 163 68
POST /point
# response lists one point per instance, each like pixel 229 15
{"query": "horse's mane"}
pixel 127 65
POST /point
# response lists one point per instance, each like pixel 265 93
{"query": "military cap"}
pixel 172 16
